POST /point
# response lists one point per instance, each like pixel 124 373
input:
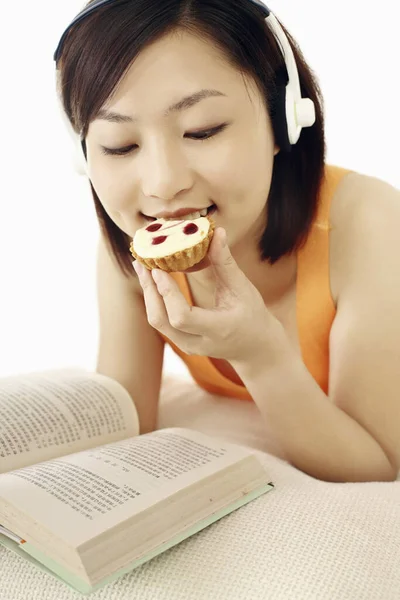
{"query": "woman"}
pixel 296 306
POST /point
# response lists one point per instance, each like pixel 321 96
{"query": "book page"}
pixel 83 495
pixel 54 413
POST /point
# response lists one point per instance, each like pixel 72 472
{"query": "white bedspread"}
pixel 305 540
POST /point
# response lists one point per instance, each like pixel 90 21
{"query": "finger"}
pixel 227 272
pixel 156 311
pixel 199 322
pixel 181 316
pixel 155 308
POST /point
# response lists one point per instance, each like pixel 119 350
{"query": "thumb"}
pixel 226 270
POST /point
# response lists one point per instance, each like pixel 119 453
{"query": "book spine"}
pixel 11 535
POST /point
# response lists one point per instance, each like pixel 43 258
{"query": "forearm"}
pixel 315 436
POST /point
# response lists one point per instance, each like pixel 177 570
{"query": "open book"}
pixel 86 498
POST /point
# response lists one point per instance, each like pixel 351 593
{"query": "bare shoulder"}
pixel 364 376
pixel 365 219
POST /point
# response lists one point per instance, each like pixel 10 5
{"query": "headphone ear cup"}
pixel 78 157
pixel 279 120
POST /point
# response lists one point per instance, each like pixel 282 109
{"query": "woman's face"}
pixel 164 167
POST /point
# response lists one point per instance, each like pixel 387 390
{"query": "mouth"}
pixel 205 212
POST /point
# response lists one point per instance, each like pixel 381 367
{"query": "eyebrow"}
pixel 183 104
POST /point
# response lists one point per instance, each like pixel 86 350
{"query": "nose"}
pixel 165 174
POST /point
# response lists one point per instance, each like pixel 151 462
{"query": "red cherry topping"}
pixel 153 228
pixel 190 229
pixel 159 240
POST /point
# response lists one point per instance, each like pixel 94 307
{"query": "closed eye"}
pixel 208 133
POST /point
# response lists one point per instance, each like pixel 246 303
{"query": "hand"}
pixel 238 326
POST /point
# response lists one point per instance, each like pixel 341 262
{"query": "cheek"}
pixel 116 200
pixel 225 178
pixel 240 167
pixel 113 192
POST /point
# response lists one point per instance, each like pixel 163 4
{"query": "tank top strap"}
pixel 314 303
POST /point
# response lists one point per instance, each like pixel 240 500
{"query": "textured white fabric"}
pixel 305 540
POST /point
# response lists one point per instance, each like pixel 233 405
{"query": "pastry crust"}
pixel 179 261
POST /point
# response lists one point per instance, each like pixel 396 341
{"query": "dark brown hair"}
pixel 99 50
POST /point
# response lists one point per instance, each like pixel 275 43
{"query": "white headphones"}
pixel 300 112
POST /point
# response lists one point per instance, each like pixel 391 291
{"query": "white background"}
pixel 48 228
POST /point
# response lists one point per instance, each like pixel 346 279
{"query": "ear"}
pixel 276 150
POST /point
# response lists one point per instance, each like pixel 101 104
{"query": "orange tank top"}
pixel 315 309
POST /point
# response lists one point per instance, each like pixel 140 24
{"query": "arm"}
pixel 130 350
pixel 354 434
pixel 315 434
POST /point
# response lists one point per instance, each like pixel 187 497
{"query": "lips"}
pixel 183 214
